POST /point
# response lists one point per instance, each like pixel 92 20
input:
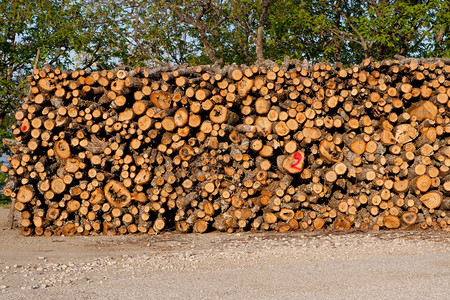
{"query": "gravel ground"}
pixel 374 265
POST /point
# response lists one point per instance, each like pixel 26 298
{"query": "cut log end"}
pixel 294 163
pixel 330 151
pixel 116 194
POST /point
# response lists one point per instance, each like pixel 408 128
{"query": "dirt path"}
pixel 413 265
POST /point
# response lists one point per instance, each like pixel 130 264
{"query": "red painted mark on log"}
pixel 298 157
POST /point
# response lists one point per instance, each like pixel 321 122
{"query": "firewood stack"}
pixel 195 149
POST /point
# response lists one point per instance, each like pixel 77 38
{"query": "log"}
pixel 116 194
pixel 409 218
pixel 431 200
pixel 391 222
pixel 330 151
pixel 62 149
pixel 294 163
pixel 161 99
pixel 427 110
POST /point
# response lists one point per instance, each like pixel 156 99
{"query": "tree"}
pixel 197 32
pixel 348 31
pixel 246 31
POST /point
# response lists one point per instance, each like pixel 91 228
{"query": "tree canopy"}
pixel 78 33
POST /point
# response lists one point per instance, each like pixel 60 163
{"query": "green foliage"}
pixel 335 31
pixel 5 202
pixel 348 31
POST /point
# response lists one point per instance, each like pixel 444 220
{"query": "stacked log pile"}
pixel 195 149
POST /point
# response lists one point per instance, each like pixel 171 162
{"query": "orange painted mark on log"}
pixel 298 157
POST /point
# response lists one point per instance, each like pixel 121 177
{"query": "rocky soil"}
pixel 357 265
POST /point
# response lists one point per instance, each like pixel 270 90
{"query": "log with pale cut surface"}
pixel 161 99
pixel 431 200
pixel 62 149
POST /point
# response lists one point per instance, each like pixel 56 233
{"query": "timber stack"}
pixel 237 148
